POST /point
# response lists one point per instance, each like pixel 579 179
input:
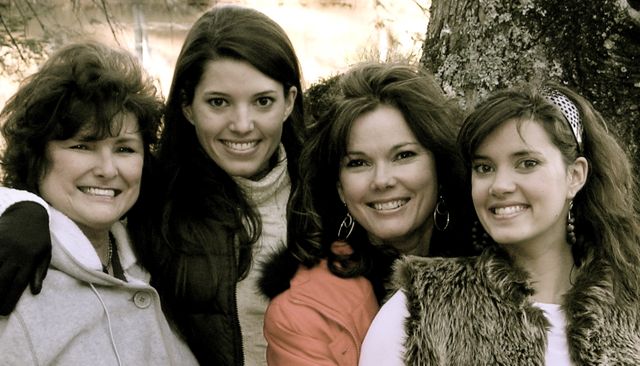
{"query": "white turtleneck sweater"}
pixel 270 196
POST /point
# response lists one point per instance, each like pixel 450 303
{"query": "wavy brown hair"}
pixel 606 208
pixel 432 118
pixel 84 85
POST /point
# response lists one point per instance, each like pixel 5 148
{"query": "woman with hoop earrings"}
pixel 379 180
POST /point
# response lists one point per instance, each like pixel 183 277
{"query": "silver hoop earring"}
pixel 346 226
pixel 441 213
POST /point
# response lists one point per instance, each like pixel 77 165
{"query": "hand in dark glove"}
pixel 25 252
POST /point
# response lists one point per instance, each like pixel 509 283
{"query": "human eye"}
pixel 79 147
pixel 264 101
pixel 528 163
pixel 80 143
pixel 354 163
pixel 217 102
pixel 405 154
pixel 481 168
pixel 126 150
pixel 129 145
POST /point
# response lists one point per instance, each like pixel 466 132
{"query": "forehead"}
pixel 382 127
pixel 229 76
pixel 517 135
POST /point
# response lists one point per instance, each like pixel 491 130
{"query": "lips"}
pixel 508 210
pixel 100 192
pixel 388 205
pixel 240 145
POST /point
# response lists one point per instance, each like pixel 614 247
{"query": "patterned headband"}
pixel 569 111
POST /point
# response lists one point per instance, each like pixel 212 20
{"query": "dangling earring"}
pixel 571 220
pixel 441 214
pixel 479 237
pixel 340 247
pixel 346 226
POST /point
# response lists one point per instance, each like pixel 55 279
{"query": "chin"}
pixel 391 236
pixel 506 239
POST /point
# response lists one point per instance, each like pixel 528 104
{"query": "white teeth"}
pixel 99 191
pixel 389 205
pixel 508 210
pixel 241 145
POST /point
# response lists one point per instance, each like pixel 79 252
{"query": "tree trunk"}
pixel 592 46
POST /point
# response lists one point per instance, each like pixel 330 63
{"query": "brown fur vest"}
pixel 478 311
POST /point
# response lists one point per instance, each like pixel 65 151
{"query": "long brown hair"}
pixel 433 120
pixel 607 222
pixel 198 190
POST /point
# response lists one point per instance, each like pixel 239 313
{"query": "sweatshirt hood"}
pixel 73 253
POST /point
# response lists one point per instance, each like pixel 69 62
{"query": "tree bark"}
pixel 592 46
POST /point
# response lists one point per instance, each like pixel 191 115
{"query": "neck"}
pixel 414 243
pixel 100 241
pixel 550 269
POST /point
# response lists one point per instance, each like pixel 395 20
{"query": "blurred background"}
pixel 328 35
pixel 473 47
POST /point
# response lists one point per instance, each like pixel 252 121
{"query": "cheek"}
pixel 131 170
pixel 478 188
pixel 207 122
pixel 271 124
pixel 58 171
pixel 353 187
pixel 274 132
pixel 479 192
pixel 203 130
pixel 422 179
pixel 426 187
pixel 46 187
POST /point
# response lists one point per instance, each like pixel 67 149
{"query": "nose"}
pixel 502 183
pixel 105 164
pixel 383 177
pixel 241 120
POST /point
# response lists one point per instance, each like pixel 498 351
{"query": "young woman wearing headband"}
pixel 558 281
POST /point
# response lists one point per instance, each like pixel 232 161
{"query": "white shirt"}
pixel 557 353
pixel 384 343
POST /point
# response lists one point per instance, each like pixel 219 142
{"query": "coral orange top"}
pixel 320 320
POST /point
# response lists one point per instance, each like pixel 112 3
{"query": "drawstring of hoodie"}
pixel 104 306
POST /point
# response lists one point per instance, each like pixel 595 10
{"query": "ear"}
pixel 340 193
pixel 577 176
pixel 187 111
pixel 290 101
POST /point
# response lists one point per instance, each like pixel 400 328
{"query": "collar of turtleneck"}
pixel 259 191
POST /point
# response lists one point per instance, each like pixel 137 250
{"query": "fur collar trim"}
pixel 278 270
pixel 479 311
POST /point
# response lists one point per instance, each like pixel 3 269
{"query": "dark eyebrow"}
pixel 130 138
pixel 223 94
pixel 517 154
pixel 393 148
pixel 214 93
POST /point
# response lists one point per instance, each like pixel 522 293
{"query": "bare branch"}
pixel 106 14
pixel 13 40
pixel 35 15
pixel 424 9
pixel 24 17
